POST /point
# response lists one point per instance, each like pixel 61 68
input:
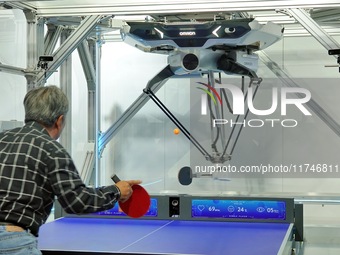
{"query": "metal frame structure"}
pixel 134 7
pixel 79 24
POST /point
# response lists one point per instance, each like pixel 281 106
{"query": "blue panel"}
pixel 239 209
pixel 115 211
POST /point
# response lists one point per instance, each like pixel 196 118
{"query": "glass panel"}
pixel 13 53
pixel 13 90
pixel 13 38
pixel 146 148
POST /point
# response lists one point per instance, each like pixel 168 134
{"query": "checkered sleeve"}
pixel 73 195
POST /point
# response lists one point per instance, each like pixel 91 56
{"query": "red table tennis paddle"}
pixel 139 202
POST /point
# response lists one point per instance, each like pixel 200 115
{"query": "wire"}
pixel 212 117
pixel 245 117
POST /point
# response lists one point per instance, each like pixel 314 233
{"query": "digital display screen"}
pixel 116 211
pixel 239 209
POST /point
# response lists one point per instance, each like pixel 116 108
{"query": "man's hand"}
pixel 125 188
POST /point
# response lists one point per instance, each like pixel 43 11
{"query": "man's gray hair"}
pixel 45 105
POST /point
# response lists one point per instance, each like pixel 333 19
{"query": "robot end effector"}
pixel 236 62
pixel 230 66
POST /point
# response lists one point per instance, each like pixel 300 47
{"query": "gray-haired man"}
pixel 35 168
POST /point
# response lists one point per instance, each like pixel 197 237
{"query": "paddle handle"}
pixel 115 178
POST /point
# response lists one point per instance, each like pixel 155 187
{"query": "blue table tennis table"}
pixel 142 236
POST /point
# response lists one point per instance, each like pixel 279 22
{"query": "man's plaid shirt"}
pixel 34 169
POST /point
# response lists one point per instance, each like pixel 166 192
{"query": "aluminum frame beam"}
pixel 298 31
pixel 12 70
pixel 91 116
pixel 65 75
pixel 51 38
pixel 134 7
pixel 87 64
pixel 35 46
pixel 88 164
pixel 326 15
pixel 314 29
pixel 86 59
pixel 72 42
pixel 18 5
pixel 311 104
